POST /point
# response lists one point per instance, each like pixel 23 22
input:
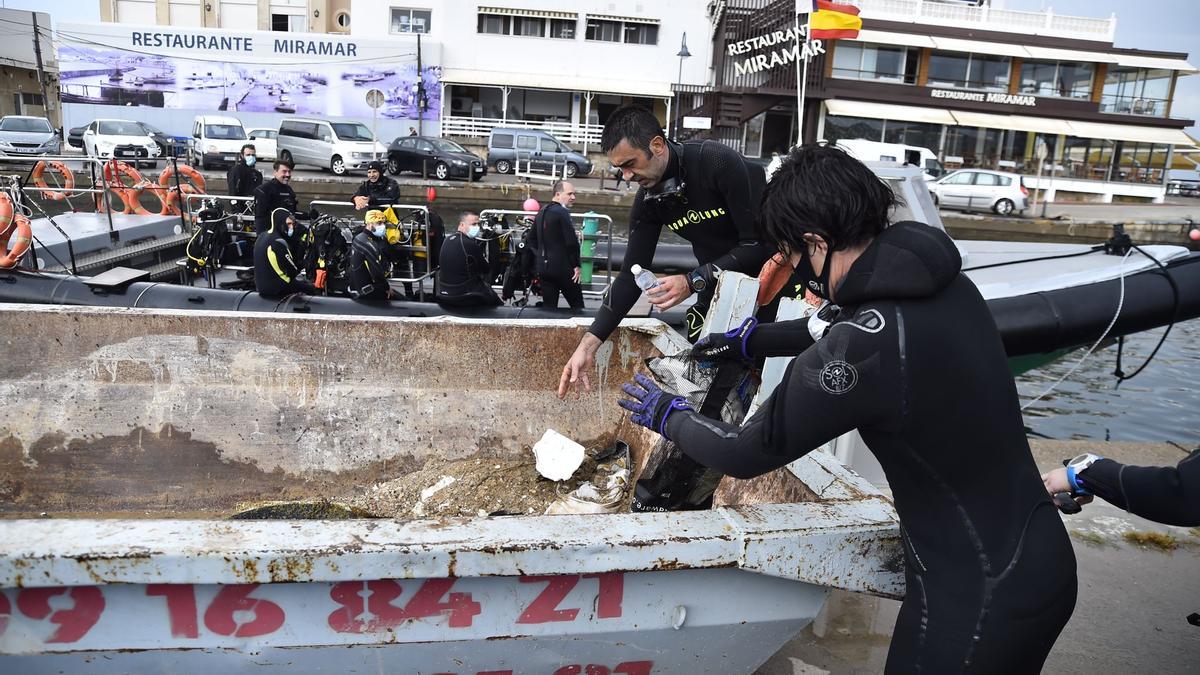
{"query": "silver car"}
pixel 21 136
pixel 979 190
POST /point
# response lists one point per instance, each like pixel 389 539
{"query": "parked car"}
pixel 337 146
pixel 875 151
pixel 22 135
pixel 537 150
pixel 75 136
pixel 165 141
pixel 979 190
pixel 216 140
pixel 122 139
pixel 435 157
pixel 264 143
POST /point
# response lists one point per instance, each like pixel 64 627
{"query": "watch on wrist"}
pixel 1076 465
pixel 697 281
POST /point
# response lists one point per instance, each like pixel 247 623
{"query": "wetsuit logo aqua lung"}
pixel 693 216
pixel 838 377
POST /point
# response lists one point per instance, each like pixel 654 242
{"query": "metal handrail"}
pixel 581 216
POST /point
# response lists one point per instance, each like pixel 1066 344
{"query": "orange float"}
pixel 193 185
pixel 8 224
pixel 129 194
pixel 39 179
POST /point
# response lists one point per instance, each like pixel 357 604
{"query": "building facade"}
pixel 302 16
pixel 20 86
pixel 979 86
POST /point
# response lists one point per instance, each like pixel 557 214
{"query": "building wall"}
pixel 18 67
pixel 320 16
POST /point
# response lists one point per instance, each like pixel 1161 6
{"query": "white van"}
pixel 216 139
pixel 337 146
pixel 876 151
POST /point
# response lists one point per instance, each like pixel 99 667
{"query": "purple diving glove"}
pixel 726 346
pixel 650 404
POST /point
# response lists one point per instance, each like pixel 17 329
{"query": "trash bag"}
pixel 605 491
pixel 672 481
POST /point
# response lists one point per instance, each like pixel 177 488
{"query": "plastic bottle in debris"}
pixel 644 278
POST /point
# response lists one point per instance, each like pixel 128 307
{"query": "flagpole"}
pixel 801 73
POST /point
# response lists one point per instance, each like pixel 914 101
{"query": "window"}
pixel 135 11
pixel 342 20
pixel 530 26
pixel 840 128
pixel 960 178
pixel 1056 78
pixel 237 13
pixel 919 134
pixel 876 62
pixel 298 129
pixel 1136 91
pixel 502 140
pixel 31 99
pixel 548 145
pixel 184 13
pixel 408 143
pixel 563 29
pixel 424 146
pixel 352 131
pixel 288 23
pixel 641 33
pixel 227 132
pixel 407 20
pixel 969 71
pixel 527 142
pixel 603 31
pixel 495 24
pixel 986 179
pixel 27 125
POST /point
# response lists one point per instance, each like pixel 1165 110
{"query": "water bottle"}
pixel 644 278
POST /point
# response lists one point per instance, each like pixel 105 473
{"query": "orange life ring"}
pixel 131 194
pixel 39 179
pixel 193 185
pixel 9 223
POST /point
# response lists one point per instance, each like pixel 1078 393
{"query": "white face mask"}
pixel 473 232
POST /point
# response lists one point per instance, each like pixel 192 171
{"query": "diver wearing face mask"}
pixel 242 177
pixel 275 268
pixel 462 274
pixel 368 268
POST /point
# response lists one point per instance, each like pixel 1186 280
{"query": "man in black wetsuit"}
pixel 912 360
pixel 1164 494
pixel 367 270
pixel 462 275
pixel 276 193
pixel 556 249
pixel 705 192
pixel 275 268
pixel 243 179
pixel 377 191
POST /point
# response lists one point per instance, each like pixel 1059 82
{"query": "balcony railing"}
pixel 987 18
pixel 481 127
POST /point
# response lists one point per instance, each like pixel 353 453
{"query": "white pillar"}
pixel 669 118
pixel 504 103
pixel 587 119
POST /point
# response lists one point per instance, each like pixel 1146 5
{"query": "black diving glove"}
pixel 728 346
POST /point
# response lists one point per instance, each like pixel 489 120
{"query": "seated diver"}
pixel 463 268
pixel 275 268
pixel 366 274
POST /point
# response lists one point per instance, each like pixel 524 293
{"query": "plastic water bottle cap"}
pixel 636 269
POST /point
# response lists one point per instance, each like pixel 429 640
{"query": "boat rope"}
pixel 1118 372
pixel 1094 249
pixel 1120 306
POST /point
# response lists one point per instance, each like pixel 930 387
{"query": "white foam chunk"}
pixel 557 456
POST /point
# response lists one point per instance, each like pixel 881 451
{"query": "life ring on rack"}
pixel 39 179
pixel 193 185
pixel 8 224
pixel 130 194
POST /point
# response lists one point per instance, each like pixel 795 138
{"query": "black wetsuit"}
pixel 275 266
pixel 914 361
pixel 243 180
pixel 718 216
pixel 461 277
pixel 556 248
pixel 269 196
pixel 382 193
pixel 366 274
pixel 1164 494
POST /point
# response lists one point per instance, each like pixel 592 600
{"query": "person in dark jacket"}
pixel 914 362
pixel 367 270
pixel 275 268
pixel 1164 494
pixel 377 191
pixel 556 248
pixel 276 193
pixel 243 179
pixel 462 275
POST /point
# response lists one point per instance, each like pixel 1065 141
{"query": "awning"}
pixel 888 38
pixel 1127 132
pixel 976 47
pixel 1041 125
pixel 628 19
pixel 1053 54
pixel 537 13
pixel 568 82
pixel 1155 62
pixel 887 111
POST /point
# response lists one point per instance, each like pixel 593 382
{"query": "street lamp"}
pixel 683 54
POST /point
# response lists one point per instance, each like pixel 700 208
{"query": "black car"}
pixel 165 141
pixel 75 137
pixel 436 157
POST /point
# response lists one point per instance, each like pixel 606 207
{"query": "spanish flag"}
pixel 832 21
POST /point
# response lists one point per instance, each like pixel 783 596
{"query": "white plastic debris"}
pixel 557 457
pixel 418 509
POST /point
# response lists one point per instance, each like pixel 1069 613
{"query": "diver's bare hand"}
pixel 581 362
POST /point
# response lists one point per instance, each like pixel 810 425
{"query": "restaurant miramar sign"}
pixel 984 97
pixel 783 49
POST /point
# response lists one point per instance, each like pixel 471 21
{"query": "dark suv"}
pixel 435 157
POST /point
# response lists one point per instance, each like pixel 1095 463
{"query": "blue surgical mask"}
pixel 250 160
pixel 473 232
pixel 379 231
pixel 291 231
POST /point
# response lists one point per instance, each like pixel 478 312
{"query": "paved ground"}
pixel 1130 616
